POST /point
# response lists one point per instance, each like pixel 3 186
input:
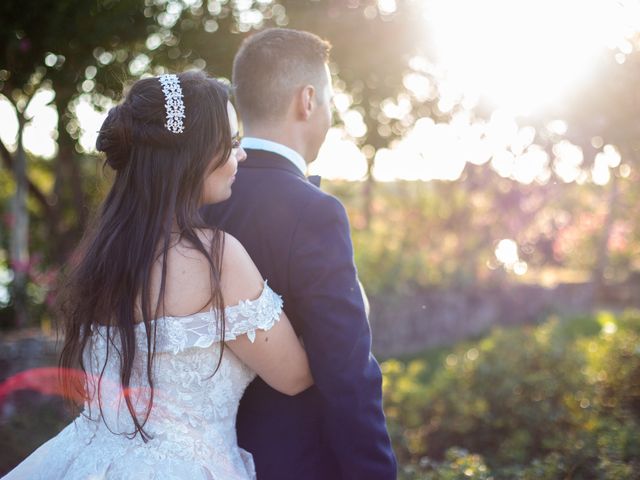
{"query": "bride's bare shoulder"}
pixel 240 278
pixel 189 273
pixel 216 242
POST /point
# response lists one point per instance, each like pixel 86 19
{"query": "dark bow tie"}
pixel 315 180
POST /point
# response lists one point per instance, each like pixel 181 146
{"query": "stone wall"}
pixel 403 324
pixel 25 350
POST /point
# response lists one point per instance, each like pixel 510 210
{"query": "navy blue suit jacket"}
pixel 299 238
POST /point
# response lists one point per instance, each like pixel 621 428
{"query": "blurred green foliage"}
pixel 439 233
pixel 559 400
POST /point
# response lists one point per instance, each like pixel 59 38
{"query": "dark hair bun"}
pixel 114 138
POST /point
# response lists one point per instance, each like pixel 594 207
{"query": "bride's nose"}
pixel 241 155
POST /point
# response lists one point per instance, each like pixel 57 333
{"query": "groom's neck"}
pixel 281 133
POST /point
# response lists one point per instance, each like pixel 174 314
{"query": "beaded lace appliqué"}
pixel 201 330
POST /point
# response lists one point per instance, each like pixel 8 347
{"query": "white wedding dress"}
pixel 192 422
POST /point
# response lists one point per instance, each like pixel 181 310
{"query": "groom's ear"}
pixel 305 102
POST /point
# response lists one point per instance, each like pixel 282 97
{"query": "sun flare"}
pixel 522 55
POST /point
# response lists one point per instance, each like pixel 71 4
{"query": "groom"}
pixel 299 238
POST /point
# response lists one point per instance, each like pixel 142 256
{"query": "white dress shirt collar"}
pixel 267 145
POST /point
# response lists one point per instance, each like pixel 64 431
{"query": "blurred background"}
pixel 488 154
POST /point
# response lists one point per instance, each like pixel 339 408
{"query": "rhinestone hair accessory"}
pixel 172 102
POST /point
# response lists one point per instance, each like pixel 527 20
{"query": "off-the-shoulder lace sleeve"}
pixel 251 315
pixel 175 334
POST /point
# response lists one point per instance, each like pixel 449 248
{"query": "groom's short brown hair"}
pixel 270 65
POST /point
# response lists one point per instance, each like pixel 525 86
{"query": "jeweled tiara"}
pixel 173 102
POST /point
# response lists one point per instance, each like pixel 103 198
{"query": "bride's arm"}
pixel 276 354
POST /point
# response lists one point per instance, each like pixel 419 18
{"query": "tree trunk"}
pixel 368 188
pixel 68 189
pixel 38 195
pixel 19 237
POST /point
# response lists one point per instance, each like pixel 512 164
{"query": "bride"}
pixel 167 320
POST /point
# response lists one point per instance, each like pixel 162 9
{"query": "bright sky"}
pixel 517 55
pixel 522 55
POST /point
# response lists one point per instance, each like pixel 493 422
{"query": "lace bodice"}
pixel 192 421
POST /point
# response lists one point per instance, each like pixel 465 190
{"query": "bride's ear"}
pixel 305 102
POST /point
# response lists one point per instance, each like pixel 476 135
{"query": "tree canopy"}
pixel 391 90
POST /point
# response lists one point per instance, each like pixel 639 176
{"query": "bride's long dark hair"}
pixel 157 189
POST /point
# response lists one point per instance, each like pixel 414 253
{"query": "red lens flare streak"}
pixel 46 381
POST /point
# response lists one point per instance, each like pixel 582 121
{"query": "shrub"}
pixel 557 400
